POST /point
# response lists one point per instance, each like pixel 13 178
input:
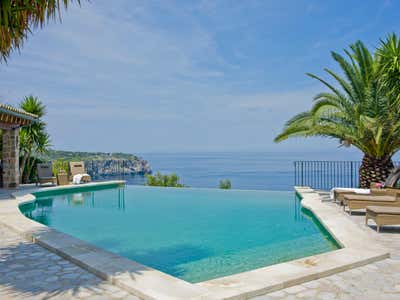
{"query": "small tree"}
pixel 60 165
pixel 159 179
pixel 33 138
pixel 225 184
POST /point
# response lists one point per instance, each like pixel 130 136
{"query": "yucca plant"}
pixel 358 110
pixel 18 18
pixel 34 138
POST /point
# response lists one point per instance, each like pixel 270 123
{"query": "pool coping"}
pixel 359 248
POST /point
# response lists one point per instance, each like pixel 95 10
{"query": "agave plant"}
pixel 358 111
pixel 33 138
pixel 19 17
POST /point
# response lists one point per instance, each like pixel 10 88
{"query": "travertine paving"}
pixel 376 281
pixel 28 271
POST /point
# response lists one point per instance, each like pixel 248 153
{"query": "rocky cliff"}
pixel 103 164
pixel 117 167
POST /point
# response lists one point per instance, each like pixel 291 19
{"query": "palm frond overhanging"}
pixel 361 108
pixel 389 60
pixel 19 17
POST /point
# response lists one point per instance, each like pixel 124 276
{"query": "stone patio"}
pixel 28 271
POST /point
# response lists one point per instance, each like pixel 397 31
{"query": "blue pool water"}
pixel 193 234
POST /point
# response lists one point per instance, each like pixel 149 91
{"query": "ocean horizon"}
pixel 245 170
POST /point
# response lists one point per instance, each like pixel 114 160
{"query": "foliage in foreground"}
pixel 361 109
pixel 171 180
pixel 225 184
pixel 18 18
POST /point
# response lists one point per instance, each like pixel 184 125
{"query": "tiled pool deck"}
pixel 29 271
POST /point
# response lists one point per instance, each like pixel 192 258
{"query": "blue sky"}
pixel 154 76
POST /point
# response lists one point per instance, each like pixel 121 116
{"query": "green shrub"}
pixel 59 165
pixel 171 180
pixel 225 184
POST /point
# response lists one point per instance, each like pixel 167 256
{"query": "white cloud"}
pixel 212 72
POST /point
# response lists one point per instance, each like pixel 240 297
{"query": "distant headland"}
pixel 102 163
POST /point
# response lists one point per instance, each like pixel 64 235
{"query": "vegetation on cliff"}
pixel 53 155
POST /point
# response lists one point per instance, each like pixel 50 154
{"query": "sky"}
pixel 177 76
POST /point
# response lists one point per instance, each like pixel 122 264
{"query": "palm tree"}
pixel 389 63
pixel 18 18
pixel 359 111
pixel 33 138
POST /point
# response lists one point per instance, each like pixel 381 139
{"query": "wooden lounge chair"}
pixel 390 182
pixel 390 198
pixel 45 174
pixel 78 167
pixel 383 215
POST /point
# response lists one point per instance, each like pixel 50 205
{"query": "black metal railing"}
pixel 325 175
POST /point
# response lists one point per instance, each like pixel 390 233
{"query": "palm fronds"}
pixel 18 18
pixel 361 106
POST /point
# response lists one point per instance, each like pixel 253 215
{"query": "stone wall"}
pixel 10 158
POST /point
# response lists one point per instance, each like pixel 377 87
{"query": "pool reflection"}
pixel 41 209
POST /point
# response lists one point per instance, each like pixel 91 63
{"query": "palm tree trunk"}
pixel 374 170
pixel 22 166
pixel 29 166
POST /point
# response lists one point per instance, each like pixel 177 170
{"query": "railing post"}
pixel 302 174
pixel 351 174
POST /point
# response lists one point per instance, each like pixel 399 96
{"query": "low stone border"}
pixel 359 248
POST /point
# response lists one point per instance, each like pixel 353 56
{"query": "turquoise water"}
pixel 193 234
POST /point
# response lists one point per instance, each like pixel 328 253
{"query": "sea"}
pixel 245 170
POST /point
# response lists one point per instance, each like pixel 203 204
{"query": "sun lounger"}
pixel 383 215
pixel 391 198
pixel 45 174
pixel 337 194
pixel 390 182
pixel 77 170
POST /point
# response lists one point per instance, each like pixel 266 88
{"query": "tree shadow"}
pixel 28 270
pixel 390 229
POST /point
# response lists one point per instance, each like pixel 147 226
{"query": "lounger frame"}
pixel 381 219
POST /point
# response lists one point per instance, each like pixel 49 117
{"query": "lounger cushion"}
pixel 375 198
pixel 385 210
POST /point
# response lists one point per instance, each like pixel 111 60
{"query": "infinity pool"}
pixel 193 234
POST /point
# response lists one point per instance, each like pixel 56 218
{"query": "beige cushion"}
pixel 386 210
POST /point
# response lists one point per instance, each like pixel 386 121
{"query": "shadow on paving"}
pixel 29 271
